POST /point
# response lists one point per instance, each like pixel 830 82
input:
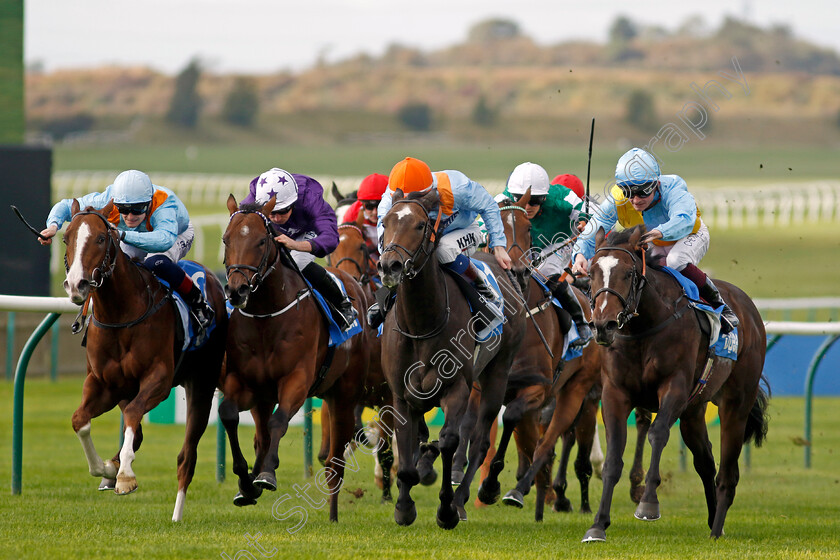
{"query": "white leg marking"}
pixel 126 481
pixel 596 456
pixel 96 466
pixel 178 514
pixel 606 264
pixel 76 272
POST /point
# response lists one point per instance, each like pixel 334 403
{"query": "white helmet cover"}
pixel 636 167
pixel 277 182
pixel 132 187
pixel 527 175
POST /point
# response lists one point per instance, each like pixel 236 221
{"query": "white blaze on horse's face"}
pixel 244 231
pixel 403 212
pixel 607 264
pixel 77 272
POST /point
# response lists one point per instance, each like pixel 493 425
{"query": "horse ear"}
pixel 398 195
pixel 74 207
pixel 430 200
pixel 106 211
pixel 600 235
pixel 523 202
pixel 335 192
pixel 269 206
pixel 231 204
pixel 636 236
pixel 360 217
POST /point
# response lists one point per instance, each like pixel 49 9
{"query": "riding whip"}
pixel 22 219
pixel 589 162
pixel 528 311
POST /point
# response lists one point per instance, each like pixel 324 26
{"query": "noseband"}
pixel 514 244
pixel 261 271
pixel 429 233
pixel 106 267
pixel 637 284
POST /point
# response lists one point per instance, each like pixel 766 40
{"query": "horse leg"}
pixel 229 415
pixel 484 470
pixel 637 471
pixel 385 455
pixel 562 503
pixel 407 476
pixel 671 398
pixel 267 460
pixel 529 437
pixel 466 428
pixel 325 433
pixel 585 435
pixel 734 411
pixel 342 427
pixel 453 403
pixel 199 402
pixel 96 400
pixel 428 453
pixel 696 438
pixel 616 409
pixel 152 392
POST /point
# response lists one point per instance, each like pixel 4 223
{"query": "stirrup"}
pixel 584 335
pixel 375 317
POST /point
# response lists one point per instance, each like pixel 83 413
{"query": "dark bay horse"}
pixel 653 356
pixel 276 350
pixel 431 347
pixel 131 349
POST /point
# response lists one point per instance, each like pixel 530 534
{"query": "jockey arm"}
pixel 604 216
pixel 680 207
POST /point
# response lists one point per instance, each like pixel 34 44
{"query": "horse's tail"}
pixel 756 429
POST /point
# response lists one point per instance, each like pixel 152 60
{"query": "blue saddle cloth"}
pixel 571 352
pixel 198 275
pixel 337 336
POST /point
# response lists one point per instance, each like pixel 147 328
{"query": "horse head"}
pixel 518 234
pixel 618 277
pixel 92 250
pixel 410 237
pixel 352 254
pixel 250 250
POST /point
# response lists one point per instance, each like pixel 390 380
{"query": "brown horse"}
pixel 654 356
pixel 131 349
pixel 433 357
pixel 276 354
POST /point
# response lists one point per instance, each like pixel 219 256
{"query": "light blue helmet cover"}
pixel 636 167
pixel 132 187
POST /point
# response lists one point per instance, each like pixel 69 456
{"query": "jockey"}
pixel 368 196
pixel 571 182
pixel 154 226
pixel 461 201
pixel 554 211
pixel 305 225
pixel 675 230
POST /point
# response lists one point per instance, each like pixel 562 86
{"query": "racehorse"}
pixel 133 349
pixel 654 356
pixel 277 353
pixel 433 356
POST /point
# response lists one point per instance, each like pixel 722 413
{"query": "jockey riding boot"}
pixel 478 278
pixel 563 292
pixel 384 301
pixel 200 308
pixel 728 319
pixel 325 283
pixel 163 267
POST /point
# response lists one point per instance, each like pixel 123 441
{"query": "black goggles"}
pixel 370 204
pixel 137 209
pixel 535 200
pixel 285 210
pixel 644 190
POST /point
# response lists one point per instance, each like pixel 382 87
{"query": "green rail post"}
pixel 772 340
pixel 220 447
pixel 56 328
pixel 10 344
pixel 17 417
pixel 307 438
pixel 809 392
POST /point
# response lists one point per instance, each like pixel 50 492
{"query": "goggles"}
pixel 283 211
pixel 370 204
pixel 137 209
pixel 535 200
pixel 644 190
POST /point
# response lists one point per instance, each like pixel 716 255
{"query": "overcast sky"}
pixel 261 36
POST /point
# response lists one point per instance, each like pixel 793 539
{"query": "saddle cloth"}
pixel 569 352
pixel 197 275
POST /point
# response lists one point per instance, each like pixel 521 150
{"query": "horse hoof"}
pixel 647 512
pixel 386 500
pixel 241 500
pixel 107 484
pixel 562 506
pixel 595 535
pixel 266 481
pixel 125 485
pixel 636 494
pixel 428 478
pixel 514 498
pixel 457 478
pixel 405 516
pixel 462 513
pixel 489 494
pixel 447 517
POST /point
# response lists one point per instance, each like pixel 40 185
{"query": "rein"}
pixel 364 275
pixel 261 271
pixel 637 284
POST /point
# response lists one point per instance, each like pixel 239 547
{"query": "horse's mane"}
pixel 416 194
pixel 251 207
pixel 619 238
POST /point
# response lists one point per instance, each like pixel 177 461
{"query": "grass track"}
pixel 781 511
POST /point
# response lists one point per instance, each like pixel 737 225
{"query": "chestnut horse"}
pixel 431 348
pixel 276 351
pixel 131 349
pixel 654 356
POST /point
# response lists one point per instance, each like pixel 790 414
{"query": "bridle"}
pixel 637 284
pixel 364 274
pixel 514 244
pixel 409 270
pixel 263 270
pixel 106 267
